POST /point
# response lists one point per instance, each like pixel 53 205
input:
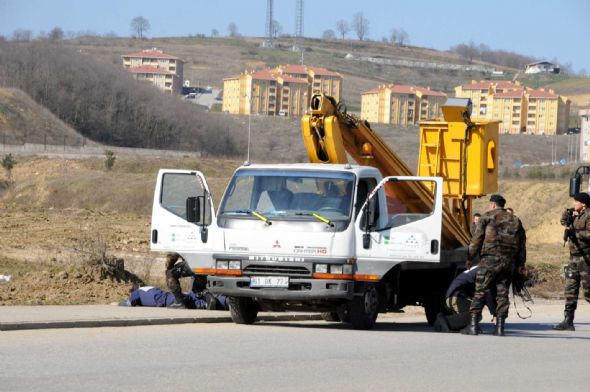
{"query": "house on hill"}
pixel 541 67
pixel 162 70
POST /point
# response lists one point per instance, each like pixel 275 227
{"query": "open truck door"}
pixel 388 230
pixel 183 217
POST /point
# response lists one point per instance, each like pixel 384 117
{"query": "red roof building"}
pixel 161 69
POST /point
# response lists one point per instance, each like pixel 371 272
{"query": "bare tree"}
pixel 56 34
pixel 402 37
pixel 468 51
pixel 232 30
pixel 277 29
pixel 343 28
pixel 139 26
pixel 393 36
pixel 214 33
pixel 360 24
pixel 328 34
pixel 21 35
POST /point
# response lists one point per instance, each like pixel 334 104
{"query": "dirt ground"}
pixel 61 219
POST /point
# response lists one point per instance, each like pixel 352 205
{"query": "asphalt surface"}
pixel 14 318
pixel 400 354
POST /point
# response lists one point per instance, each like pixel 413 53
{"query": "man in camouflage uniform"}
pixel 577 222
pixel 500 242
pixel 176 268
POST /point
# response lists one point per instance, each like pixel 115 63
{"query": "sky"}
pixel 545 29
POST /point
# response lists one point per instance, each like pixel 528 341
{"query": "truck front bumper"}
pixel 300 289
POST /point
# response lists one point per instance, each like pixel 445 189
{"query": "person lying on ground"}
pixel 153 296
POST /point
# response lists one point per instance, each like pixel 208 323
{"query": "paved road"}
pixel 400 354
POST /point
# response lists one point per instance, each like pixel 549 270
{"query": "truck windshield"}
pixel 288 194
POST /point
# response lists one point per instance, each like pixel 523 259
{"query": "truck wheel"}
pixel 330 316
pixel 363 310
pixel 243 310
pixel 432 308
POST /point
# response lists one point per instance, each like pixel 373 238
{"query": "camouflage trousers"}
pixel 497 272
pixel 173 274
pixel 576 272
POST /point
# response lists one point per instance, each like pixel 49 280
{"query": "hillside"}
pixel 22 119
pixel 209 60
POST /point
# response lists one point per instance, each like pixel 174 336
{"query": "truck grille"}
pixel 276 270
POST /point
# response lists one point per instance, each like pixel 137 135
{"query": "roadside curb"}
pixel 17 326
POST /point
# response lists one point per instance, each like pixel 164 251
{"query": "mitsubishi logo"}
pixel 276 245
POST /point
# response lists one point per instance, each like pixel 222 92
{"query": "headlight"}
pixel 222 265
pixel 235 265
pixel 321 268
pixel 347 269
pixel 336 269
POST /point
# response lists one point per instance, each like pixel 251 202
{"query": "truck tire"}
pixel 432 307
pixel 243 310
pixel 363 309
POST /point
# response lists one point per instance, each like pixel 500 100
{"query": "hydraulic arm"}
pixel 330 133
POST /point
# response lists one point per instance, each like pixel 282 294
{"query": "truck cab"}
pixel 330 238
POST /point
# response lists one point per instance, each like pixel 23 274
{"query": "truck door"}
pixel 390 228
pixel 183 217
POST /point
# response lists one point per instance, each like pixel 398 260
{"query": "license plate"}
pixel 269 281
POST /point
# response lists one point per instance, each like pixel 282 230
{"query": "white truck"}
pixel 335 238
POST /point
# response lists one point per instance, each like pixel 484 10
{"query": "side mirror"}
pixel 575 184
pixel 193 209
pixel 369 214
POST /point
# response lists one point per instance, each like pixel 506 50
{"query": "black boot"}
pixel 499 331
pixel 473 327
pixel 567 324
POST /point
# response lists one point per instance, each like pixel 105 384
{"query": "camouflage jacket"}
pixel 499 233
pixel 580 243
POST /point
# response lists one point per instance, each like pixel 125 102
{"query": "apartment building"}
pixel 321 80
pixel 162 70
pixel 521 109
pixel 401 105
pixel 284 90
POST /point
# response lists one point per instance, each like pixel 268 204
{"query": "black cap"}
pixel 498 199
pixel 583 197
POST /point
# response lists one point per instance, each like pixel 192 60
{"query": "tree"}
pixel 360 24
pixel 214 33
pixel 109 159
pixel 139 26
pixel 8 163
pixel 21 35
pixel 277 29
pixel 343 28
pixel 393 36
pixel 402 37
pixel 232 30
pixel 328 34
pixel 56 34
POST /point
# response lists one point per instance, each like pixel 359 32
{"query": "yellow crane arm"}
pixel 329 134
